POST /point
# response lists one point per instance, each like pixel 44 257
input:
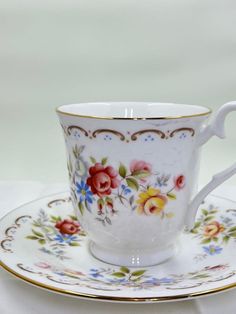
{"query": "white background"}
pixel 54 52
pixel 62 51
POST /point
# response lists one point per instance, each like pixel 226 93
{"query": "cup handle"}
pixel 215 128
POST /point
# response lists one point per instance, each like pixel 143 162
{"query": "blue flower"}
pixel 118 280
pixel 212 249
pixel 125 189
pixel 158 281
pixel 65 238
pixel 60 273
pixel 84 192
pixel 95 273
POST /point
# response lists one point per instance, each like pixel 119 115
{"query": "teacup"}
pixel 133 169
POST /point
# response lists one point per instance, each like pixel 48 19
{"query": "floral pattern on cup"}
pixel 136 186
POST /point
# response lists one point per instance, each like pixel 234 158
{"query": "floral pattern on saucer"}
pixel 214 230
pixel 44 242
pixel 133 279
pixel 55 233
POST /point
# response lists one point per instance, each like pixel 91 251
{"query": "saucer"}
pixel 43 244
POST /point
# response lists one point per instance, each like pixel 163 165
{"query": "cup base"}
pixel 133 257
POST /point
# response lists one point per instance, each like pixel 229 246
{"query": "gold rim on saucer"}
pixel 118 299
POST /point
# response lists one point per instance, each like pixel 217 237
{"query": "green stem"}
pixel 170 190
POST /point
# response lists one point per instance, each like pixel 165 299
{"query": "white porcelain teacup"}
pixel 133 171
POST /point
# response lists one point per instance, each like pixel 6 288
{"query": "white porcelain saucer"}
pixel 42 243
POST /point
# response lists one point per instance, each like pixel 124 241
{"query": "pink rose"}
pixel 140 169
pixel 102 179
pixel 43 265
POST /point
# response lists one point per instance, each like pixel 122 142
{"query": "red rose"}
pixel 102 179
pixel 179 182
pixel 68 226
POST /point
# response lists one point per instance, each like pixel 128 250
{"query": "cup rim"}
pixel 59 111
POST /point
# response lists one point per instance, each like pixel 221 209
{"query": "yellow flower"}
pixel 212 229
pixel 151 202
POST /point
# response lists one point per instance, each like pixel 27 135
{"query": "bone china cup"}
pixel 133 169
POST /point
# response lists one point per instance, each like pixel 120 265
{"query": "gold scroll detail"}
pixel 72 127
pixel 135 135
pixel 117 133
pixel 182 129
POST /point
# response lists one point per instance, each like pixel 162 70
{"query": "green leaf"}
pixel 108 220
pixel 55 218
pixel 213 211
pixel 226 239
pixel 93 160
pixel 208 218
pixel 35 224
pixel 171 196
pixel 73 217
pixel 42 241
pixel 77 150
pixel 124 269
pixel 80 167
pixel 81 207
pixel 109 201
pixel 233 234
pixel 200 276
pixel 195 231
pixel 136 279
pixel 215 239
pixel 74 152
pixel 69 165
pixel 118 274
pixel 205 241
pixel 74 244
pixel 104 161
pixel 197 224
pixel 87 205
pixel 205 212
pixel 48 229
pixel 38 234
pixel 122 171
pixel 100 203
pixel 138 273
pixel 32 237
pixel 132 183
pixel 232 229
pixel 140 174
pixel 80 149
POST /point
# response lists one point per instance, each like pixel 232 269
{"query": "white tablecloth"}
pixel 17 297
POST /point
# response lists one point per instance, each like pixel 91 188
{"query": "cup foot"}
pixel 133 257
